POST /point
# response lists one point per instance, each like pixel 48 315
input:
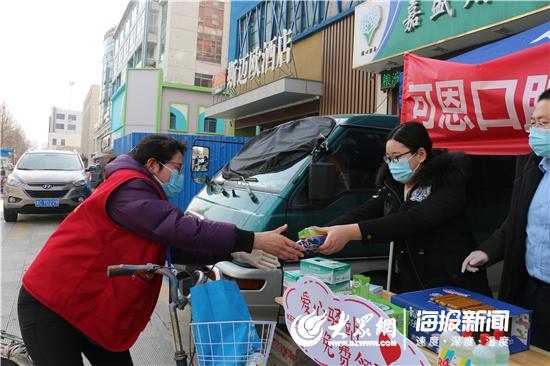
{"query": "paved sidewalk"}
pixel 21 242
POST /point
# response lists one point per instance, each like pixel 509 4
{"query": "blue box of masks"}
pixel 462 303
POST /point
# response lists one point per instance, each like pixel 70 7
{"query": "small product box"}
pixel 467 306
pixel 290 277
pixel 341 288
pixel 376 290
pixel 328 271
pixel 360 285
pixel 393 311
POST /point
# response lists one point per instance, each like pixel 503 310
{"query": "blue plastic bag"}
pixel 227 337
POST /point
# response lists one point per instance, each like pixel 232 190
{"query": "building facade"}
pixel 65 129
pixel 90 116
pixel 183 46
pixel 292 59
pixel 147 104
pixel 101 135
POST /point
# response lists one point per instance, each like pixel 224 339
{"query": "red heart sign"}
pixel 390 353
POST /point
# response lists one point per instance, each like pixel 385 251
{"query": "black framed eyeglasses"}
pixel 394 159
pixel 541 125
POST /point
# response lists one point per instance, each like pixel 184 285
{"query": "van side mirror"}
pixel 322 181
pixel 201 180
pixel 200 159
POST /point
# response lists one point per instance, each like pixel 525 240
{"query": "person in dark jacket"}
pixel 523 239
pixel 68 305
pixel 421 206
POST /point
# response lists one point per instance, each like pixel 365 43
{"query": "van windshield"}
pixel 269 182
pixel 50 161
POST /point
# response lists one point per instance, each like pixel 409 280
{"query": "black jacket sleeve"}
pixel 419 219
pixel 371 209
pixel 494 246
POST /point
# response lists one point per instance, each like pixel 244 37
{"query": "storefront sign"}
pixel 218 82
pixel 372 22
pixel 390 79
pixel 479 109
pixel 344 330
pixel 273 55
pixel 384 30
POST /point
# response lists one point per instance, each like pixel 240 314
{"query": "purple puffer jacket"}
pixel 137 206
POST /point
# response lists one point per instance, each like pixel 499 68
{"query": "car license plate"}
pixel 46 203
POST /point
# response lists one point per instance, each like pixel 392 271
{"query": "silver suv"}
pixel 46 181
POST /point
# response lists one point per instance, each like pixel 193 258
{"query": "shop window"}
pixel 210 31
pixel 62 142
pixel 209 47
pixel 163 22
pixel 179 115
pixel 203 80
pixel 210 125
pixel 54 142
pixel 268 21
pixel 252 39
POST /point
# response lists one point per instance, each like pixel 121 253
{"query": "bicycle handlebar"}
pixel 151 269
pixel 131 270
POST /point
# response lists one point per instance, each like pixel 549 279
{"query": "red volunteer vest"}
pixel 69 275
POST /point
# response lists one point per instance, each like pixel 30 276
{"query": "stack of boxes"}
pixel 336 275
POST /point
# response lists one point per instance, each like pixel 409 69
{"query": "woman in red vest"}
pixel 67 304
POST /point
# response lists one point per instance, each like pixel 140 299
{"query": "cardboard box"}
pixel 290 277
pixel 328 271
pixel 393 311
pixel 519 330
pixel 284 352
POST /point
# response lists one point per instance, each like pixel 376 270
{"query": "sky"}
pixel 44 46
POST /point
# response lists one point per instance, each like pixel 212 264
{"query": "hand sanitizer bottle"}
pixel 500 347
pixel 463 353
pixel 483 355
pixel 448 341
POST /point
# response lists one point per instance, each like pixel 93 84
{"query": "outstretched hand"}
pixel 337 237
pixel 280 246
pixel 474 260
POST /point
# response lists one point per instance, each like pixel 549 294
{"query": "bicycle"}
pixel 258 334
pixel 13 351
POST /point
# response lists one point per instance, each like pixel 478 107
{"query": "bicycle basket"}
pixel 233 343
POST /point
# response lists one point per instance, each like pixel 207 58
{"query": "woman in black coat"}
pixel 421 206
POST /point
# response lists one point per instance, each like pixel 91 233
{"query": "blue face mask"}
pixel 401 171
pixel 539 140
pixel 174 185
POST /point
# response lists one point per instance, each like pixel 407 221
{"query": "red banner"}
pixel 479 109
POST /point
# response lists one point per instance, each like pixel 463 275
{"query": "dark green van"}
pixel 310 171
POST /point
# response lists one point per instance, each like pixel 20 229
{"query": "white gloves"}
pixel 474 260
pixel 257 258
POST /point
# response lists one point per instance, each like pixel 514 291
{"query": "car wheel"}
pixel 10 215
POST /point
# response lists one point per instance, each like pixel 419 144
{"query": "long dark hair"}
pixel 159 147
pixel 414 136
